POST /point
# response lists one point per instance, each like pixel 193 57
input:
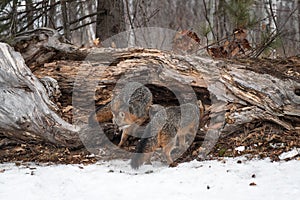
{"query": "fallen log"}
pixel 26 113
pixel 232 94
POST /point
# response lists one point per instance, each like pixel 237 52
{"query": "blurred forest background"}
pixel 272 27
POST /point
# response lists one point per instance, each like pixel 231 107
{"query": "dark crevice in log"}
pixel 203 95
pixel 162 95
pixel 297 91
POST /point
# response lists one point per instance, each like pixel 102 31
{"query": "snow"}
pixel 240 148
pixel 290 154
pixel 227 179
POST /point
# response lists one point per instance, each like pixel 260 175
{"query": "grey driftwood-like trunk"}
pixel 232 94
pixel 26 112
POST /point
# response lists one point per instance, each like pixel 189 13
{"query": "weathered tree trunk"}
pixel 25 110
pixel 43 45
pixel 65 19
pixel 29 11
pixel 111 21
pixel 233 94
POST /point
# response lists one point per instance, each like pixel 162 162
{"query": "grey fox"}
pixel 162 131
pixel 130 108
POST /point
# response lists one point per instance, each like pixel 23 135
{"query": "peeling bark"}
pixel 43 45
pixel 26 112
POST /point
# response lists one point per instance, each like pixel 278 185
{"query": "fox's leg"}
pixel 181 140
pixel 123 137
pixel 129 130
pixel 190 130
pixel 168 149
pixel 148 158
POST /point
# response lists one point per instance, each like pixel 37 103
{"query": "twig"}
pixel 276 24
pixel 272 36
pixel 83 25
pixel 266 44
pixel 209 24
pixel 82 18
pixel 128 14
pixel 211 44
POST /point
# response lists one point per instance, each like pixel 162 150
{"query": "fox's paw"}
pixel 148 162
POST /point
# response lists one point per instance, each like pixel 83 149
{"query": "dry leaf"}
pixel 240 34
pixel 113 45
pixel 97 42
pixel 18 149
pixel 245 44
pixel 235 51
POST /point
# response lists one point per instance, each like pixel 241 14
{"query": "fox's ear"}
pixel 140 110
pixel 155 108
pixel 131 110
pixel 135 109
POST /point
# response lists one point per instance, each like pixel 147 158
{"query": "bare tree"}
pixel 14 18
pixel 65 17
pixel 110 18
pixel 29 12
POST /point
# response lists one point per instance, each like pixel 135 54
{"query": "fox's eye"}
pixel 122 114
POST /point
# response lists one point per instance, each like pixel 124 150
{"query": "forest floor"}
pixel 257 140
pixel 261 143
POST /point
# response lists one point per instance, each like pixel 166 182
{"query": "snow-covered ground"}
pixel 228 179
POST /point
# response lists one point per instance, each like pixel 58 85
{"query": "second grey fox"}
pixel 130 108
pixel 164 128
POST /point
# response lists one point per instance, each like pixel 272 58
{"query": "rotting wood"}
pixel 43 45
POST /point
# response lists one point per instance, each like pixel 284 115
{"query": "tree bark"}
pixel 29 12
pixel 25 110
pixel 14 19
pixel 111 21
pixel 43 45
pixel 65 19
pixel 51 23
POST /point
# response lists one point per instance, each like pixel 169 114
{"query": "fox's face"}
pixel 123 119
pixel 121 115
